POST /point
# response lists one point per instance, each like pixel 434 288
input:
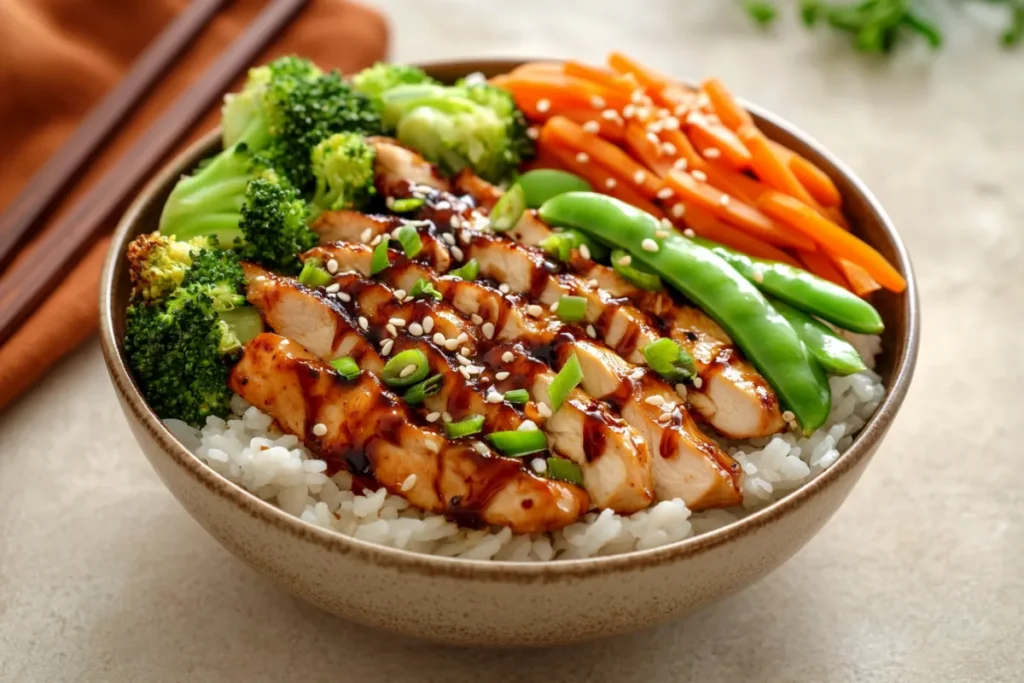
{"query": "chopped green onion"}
pixel 558 246
pixel 313 275
pixel 380 259
pixel 424 287
pixel 397 371
pixel 419 392
pixel 565 470
pixel 468 271
pixel 471 425
pixel 346 367
pixel 628 271
pixel 669 360
pixel 517 396
pixel 565 381
pixel 410 239
pixel 516 444
pixel 406 204
pixel 561 243
pixel 572 308
pixel 508 210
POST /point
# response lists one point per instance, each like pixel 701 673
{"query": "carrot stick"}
pixel 861 283
pixel 646 150
pixel 771 169
pixel 543 159
pixel 835 214
pixel 664 90
pixel 599 178
pixel 725 105
pixel 706 136
pixel 609 129
pixel 735 212
pixel 599 75
pixel 565 133
pixel 831 237
pixel 685 149
pixel 560 90
pixel 821 265
pixel 706 225
pixel 737 184
pixel 810 176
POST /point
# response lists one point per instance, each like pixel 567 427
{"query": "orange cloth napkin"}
pixel 58 58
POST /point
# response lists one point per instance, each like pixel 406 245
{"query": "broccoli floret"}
pixel 459 127
pixel 181 345
pixel 237 201
pixel 521 147
pixel 343 167
pixel 157 265
pixel 374 81
pixel 253 115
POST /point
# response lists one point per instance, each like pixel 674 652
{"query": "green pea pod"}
pixel 836 355
pixel 760 332
pixel 803 290
pixel 544 183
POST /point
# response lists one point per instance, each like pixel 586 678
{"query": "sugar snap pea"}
pixel 760 332
pixel 542 184
pixel 836 355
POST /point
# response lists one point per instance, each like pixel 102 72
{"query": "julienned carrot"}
pixel 821 265
pixel 646 150
pixel 737 184
pixel 560 88
pixel 665 91
pixel 860 282
pixel 599 75
pixel 771 169
pixel 565 133
pixel 735 212
pixel 831 238
pixel 706 225
pixel 707 136
pixel 725 105
pixel 598 177
pixel 609 129
pixel 810 176
pixel 684 149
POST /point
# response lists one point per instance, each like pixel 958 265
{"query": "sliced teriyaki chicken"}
pixel 612 456
pixel 399 170
pixel 352 226
pixel 336 418
pixel 687 464
pixel 484 194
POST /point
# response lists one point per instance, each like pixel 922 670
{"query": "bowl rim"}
pixel 497 570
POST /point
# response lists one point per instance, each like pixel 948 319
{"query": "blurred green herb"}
pixel 877 26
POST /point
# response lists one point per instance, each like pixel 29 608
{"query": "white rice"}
pixel 277 468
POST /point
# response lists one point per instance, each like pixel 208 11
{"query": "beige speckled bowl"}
pixel 496 603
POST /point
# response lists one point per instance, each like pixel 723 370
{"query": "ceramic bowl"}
pixel 501 603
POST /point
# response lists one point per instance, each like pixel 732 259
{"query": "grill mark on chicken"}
pixel 452 478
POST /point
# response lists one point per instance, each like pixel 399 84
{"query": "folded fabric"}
pixel 58 58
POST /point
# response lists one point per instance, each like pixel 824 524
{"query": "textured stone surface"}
pixel 103 577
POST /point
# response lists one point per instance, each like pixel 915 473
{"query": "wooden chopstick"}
pixel 65 166
pixel 28 283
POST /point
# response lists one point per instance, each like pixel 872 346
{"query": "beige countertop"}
pixel 919 577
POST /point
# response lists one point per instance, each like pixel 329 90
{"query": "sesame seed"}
pixel 466 236
pixel 406 299
pixel 712 153
pixel 477 320
pixel 465 372
pixel 610 183
pixel 508 357
pixel 654 139
pixel 639 177
pixel 476 369
pixel 415 329
pixel 649 245
pixel 681 390
pixel 457 253
pixel 699 175
pixel 543 105
pixel 332 288
pixel 400 294
pixel 661 234
pixel 539 465
pixel 488 330
pixel 451 344
pixel 409 482
pixel 534 310
pixel 758 276
pixel 462 338
pixel 642 113
pixel 680 110
pixel 629 111
pixel 527 426
pixel 665 193
pixel 697 382
pixel 664 418
pixel 654 400
pixel 443 205
pixel 597 101
pixel 637 96
pixel 610 114
pixel 668 148
pixel 625 260
pixel 544 409
pixel 385 346
pixel 533 132
pixel 680 164
pixel 504 288
pixel 397 322
pixel 455 222
pixel 332 266
pixel 592 127
pixel 678 210
pixel 666 224
pixel 448 238
pixel 446 416
pixel 654 127
pixel 344 297
pixel 670 123
pixel 366 235
pixel 788 416
pixel 501 376
pixel 553 307
pixel 481 448
pixel 363 323
pixel 407 370
pixel 467 352
pixel 428 324
pixel 584 251
pixel 637 374
pixel 583 157
pixel 591 332
pixel 592 283
pixel 463 360
pixel 439 339
pixel 376 240
pixel 433 417
pixel 319 429
pixel 689 233
pixel 495 397
pixel 392 330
